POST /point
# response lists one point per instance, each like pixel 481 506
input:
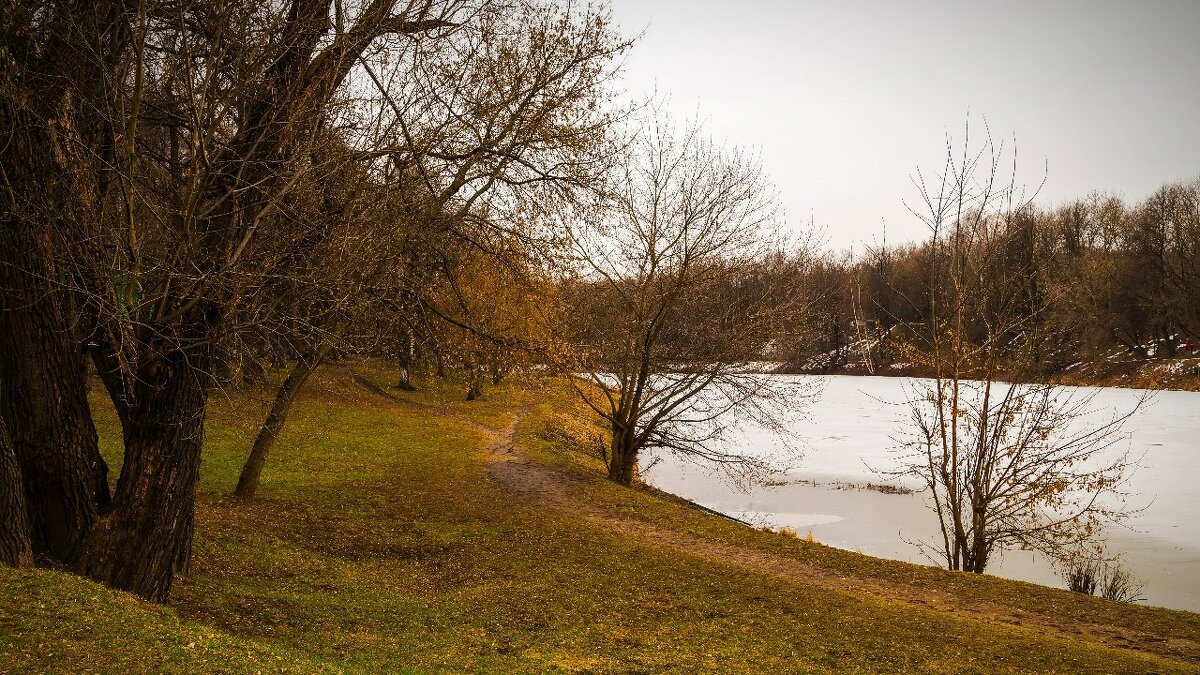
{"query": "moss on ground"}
pixel 378 543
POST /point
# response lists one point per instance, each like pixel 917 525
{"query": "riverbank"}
pixel 1117 370
pixel 416 532
pixel 852 438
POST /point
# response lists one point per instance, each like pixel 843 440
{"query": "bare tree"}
pixel 161 143
pixel 665 351
pixel 456 138
pixel 1088 571
pixel 1004 464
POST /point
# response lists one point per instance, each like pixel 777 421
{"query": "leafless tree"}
pixel 665 354
pixel 176 140
pixel 458 137
pixel 1004 464
pixel 1088 571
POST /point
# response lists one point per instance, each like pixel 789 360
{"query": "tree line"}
pixel 1092 278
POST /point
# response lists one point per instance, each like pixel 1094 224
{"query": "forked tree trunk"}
pixel 622 457
pixel 44 402
pixel 148 536
pixel 248 481
pixel 58 73
pixel 15 548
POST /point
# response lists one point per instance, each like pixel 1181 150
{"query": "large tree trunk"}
pixel 45 401
pixel 15 547
pixel 148 536
pixel 248 481
pixel 58 72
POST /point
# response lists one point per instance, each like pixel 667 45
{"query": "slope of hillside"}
pixel 418 533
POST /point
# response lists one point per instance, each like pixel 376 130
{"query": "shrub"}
pixel 1118 583
pixel 1089 573
pixel 1081 574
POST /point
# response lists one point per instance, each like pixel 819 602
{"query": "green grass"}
pixel 540 438
pixel 378 543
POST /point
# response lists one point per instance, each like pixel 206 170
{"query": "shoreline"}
pixel 887 526
pixel 1155 374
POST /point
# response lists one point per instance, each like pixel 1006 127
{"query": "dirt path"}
pixel 550 487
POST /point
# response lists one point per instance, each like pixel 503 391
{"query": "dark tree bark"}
pixel 45 401
pixel 15 547
pixel 147 537
pixel 57 65
pixel 248 481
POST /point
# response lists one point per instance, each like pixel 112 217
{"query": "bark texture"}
pixel 44 401
pixel 15 547
pixel 56 62
pixel 147 537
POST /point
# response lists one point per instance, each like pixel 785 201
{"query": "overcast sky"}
pixel 844 99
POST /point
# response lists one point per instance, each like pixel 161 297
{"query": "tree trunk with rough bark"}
pixel 15 547
pixel 248 481
pixel 44 401
pixel 55 88
pixel 147 537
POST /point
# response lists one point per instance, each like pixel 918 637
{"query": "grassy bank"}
pixel 380 542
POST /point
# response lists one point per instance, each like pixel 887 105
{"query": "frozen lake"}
pixel 850 432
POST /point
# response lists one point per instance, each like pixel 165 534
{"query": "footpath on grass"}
pixel 549 486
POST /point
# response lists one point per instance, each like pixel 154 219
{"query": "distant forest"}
pixel 1095 278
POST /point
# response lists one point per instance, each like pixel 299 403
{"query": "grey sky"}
pixel 844 99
